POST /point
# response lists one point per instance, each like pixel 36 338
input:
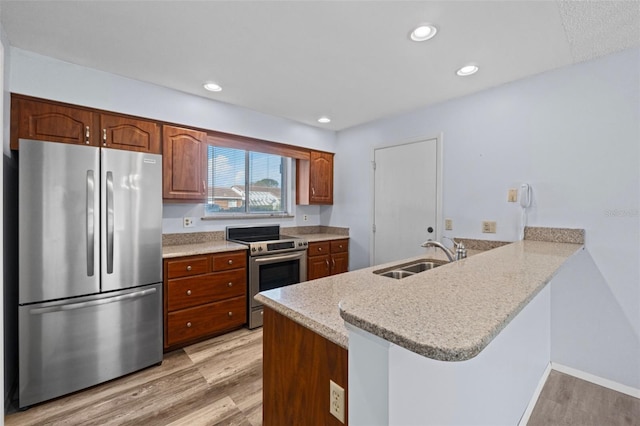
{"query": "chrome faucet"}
pixel 461 251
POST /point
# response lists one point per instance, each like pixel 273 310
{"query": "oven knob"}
pixel 299 244
pixel 253 249
pixel 259 248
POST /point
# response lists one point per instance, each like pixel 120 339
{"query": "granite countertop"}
pixel 206 247
pixel 449 313
pixel 312 238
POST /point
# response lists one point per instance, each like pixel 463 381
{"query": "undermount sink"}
pixel 397 274
pixel 408 269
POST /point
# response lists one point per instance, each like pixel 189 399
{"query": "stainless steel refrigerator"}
pixel 90 264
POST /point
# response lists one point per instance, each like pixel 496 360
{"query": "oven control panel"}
pixel 279 246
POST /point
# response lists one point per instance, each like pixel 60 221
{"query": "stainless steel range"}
pixel 275 261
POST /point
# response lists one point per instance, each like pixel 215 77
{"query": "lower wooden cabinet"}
pixel 204 295
pixel 326 258
pixel 297 367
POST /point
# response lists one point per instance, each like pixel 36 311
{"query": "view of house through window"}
pixel 245 182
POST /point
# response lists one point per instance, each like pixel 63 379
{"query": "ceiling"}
pixel 349 60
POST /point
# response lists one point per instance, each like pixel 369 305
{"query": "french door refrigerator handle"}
pixel 91 303
pixel 109 210
pixel 91 193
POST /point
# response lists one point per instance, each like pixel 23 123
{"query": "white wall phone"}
pixel 525 195
pixel 525 202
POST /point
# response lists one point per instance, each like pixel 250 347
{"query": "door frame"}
pixel 439 183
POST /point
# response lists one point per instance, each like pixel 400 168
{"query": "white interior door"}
pixel 405 199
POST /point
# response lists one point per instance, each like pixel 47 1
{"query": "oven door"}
pixel 273 271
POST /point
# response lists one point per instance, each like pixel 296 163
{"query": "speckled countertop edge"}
pixel 200 248
pixel 315 304
pixel 466 304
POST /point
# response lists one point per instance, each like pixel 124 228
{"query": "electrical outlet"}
pixel 448 224
pixel 305 218
pixel 187 222
pixel 336 401
pixel 488 227
pixel 512 197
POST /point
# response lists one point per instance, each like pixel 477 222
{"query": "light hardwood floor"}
pixel 215 382
pixel 219 382
pixel 567 400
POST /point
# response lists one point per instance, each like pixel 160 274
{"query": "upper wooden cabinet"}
pixel 184 164
pixel 131 134
pixel 314 179
pixel 45 120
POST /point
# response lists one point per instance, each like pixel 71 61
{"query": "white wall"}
pixel 573 134
pixel 45 77
pixel 2 136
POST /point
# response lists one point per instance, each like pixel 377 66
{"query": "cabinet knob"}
pixel 230 262
pixel 340 245
pixel 230 314
pixel 230 284
pixel 188 267
pixel 188 292
pixel 189 324
pixel 319 248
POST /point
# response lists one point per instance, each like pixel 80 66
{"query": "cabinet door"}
pixel 184 164
pixel 339 263
pixel 131 134
pixel 318 267
pixel 39 120
pixel 321 178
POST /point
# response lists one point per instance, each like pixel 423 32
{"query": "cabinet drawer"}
pixel 185 267
pixel 194 323
pixel 232 260
pixel 339 246
pixel 318 248
pixel 192 291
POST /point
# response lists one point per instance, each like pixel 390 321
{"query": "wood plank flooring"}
pixel 215 382
pixel 567 400
pixel 219 382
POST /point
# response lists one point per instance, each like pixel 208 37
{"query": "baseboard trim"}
pixel 534 398
pixel 610 384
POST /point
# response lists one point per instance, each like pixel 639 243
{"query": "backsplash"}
pixel 554 235
pixel 203 237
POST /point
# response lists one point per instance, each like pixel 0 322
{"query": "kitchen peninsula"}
pixel 430 348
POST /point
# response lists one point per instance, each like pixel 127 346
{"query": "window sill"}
pixel 248 216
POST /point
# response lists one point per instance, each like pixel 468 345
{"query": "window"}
pixel 245 182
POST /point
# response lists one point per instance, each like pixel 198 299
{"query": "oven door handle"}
pixel 271 259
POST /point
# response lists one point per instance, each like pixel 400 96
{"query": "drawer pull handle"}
pixel 104 137
pixel 189 268
pixel 189 324
pixel 230 284
pixel 230 314
pixel 340 245
pixel 87 134
pixel 319 248
pixel 188 292
pixel 230 262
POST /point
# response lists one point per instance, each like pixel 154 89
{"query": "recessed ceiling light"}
pixel 324 120
pixel 212 87
pixel 467 70
pixel 423 32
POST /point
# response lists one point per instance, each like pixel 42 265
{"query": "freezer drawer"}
pixel 70 345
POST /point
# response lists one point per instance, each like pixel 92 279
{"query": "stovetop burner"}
pixel 265 239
